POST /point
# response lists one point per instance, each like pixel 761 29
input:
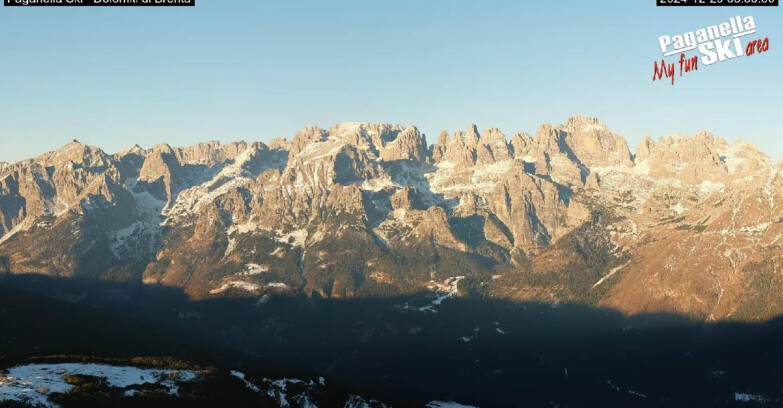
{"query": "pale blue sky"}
pixel 255 70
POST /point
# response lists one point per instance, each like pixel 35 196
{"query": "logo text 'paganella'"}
pixel 714 43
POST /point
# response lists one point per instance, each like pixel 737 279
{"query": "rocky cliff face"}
pixel 687 224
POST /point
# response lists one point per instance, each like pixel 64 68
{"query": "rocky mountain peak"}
pixel 409 144
pixel 743 159
pixel 162 148
pixel 584 123
pixel 75 153
pixel 689 159
pixel 594 145
pixel 306 137
pixel 709 138
pixel 547 139
pixel 135 149
pixel 279 143
pixel 520 144
pixel 644 149
pixel 493 147
pixel 472 136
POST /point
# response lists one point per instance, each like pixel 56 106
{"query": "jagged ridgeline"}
pixel 686 224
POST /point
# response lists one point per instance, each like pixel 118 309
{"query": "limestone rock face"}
pixel 493 147
pixel 687 159
pixel 550 156
pixel 687 224
pixel 594 145
pixel 520 145
pixel 408 145
pixel 306 137
pixel 644 150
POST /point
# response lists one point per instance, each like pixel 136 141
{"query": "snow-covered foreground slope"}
pixel 32 384
pixel 36 385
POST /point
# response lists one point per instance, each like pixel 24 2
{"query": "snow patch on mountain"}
pixel 296 238
pixel 255 269
pixel 610 274
pixel 746 397
pixel 139 239
pixel 442 291
pixel 280 390
pixel 756 229
pixel 234 175
pixel 293 392
pixel 239 229
pixel 248 384
pixel 355 401
pixel 18 228
pixel 378 184
pixel 449 404
pixel 732 159
pixel 246 286
pixel 709 187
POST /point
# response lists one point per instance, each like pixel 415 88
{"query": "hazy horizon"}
pixel 431 137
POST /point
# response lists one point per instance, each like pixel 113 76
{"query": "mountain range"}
pixel 688 225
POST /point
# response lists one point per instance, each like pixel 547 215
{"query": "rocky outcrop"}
pixel 593 145
pixel 408 145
